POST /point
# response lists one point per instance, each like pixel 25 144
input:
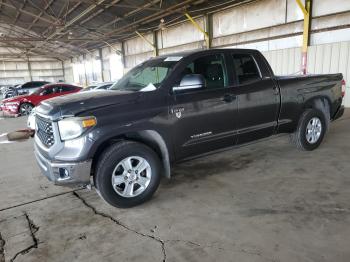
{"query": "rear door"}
pixel 49 92
pixel 257 96
pixel 66 89
pixel 204 119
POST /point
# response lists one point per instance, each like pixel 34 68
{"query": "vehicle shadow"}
pixel 231 160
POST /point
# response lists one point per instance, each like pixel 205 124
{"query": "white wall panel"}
pixel 254 36
pixel 138 45
pixel 17 72
pixel 248 17
pixel 325 7
pixel 285 61
pixel 344 59
pixel 335 58
pixel 132 60
pixel 181 48
pixel 341 35
pixel 293 12
pixel 322 59
pixel 331 58
pixel 183 33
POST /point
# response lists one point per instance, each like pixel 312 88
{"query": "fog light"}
pixel 64 173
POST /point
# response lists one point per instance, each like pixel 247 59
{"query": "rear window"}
pixel 34 84
pixel 245 68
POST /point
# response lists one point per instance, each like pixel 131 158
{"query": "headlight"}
pixel 11 103
pixel 74 127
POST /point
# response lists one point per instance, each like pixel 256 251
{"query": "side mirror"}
pixel 191 81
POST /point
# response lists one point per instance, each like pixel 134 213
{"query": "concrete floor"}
pixel 263 202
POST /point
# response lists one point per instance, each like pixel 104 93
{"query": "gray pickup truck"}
pixel 173 108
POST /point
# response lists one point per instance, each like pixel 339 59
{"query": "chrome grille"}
pixel 44 131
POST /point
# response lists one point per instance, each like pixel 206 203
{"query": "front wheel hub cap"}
pixel 131 176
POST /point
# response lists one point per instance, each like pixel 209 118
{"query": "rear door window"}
pixel 28 85
pixel 245 68
pixel 49 90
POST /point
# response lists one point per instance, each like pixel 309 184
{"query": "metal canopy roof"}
pixel 65 28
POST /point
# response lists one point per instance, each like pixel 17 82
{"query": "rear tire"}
pixel 127 174
pixel 311 130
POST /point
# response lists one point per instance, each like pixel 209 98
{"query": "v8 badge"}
pixel 177 111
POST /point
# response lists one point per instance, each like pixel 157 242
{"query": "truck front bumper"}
pixel 71 174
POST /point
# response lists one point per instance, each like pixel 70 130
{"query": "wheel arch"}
pixel 319 102
pixel 150 138
pixel 22 102
pixel 26 102
pixel 323 104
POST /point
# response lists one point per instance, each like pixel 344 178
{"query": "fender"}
pixel 150 138
pixel 156 139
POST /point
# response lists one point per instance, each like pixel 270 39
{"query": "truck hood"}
pixel 73 104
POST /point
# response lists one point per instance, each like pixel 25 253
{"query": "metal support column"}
pixel 155 43
pixel 196 25
pixel 209 29
pixel 102 67
pixel 63 70
pixel 123 59
pixel 29 69
pixel 86 78
pixel 306 33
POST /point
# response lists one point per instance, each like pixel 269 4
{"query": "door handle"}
pixel 228 98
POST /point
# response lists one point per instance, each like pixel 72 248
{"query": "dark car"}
pixel 173 108
pixel 26 88
pixel 9 91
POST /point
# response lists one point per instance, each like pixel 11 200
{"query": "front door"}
pixel 204 119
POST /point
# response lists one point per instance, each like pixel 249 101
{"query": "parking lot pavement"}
pixel 263 202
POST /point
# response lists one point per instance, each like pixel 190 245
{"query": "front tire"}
pixel 127 174
pixel 25 109
pixel 311 130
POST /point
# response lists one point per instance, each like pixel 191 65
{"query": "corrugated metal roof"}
pixel 66 28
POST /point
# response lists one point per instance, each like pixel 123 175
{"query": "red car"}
pixel 23 105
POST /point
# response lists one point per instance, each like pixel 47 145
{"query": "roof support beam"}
pixel 72 22
pixel 40 15
pixel 174 8
pixel 21 10
pixel 19 13
pixel 99 11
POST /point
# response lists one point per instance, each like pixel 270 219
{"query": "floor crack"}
pixel 2 248
pixel 160 241
pixel 33 229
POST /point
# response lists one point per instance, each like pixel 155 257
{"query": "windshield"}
pixel 146 77
pixel 88 88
